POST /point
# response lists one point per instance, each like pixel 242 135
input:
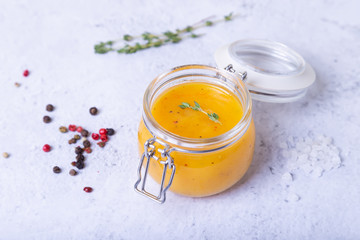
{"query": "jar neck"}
pixel 197 73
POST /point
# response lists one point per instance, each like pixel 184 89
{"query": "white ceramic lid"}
pixel 275 72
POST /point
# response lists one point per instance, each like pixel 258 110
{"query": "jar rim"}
pixel 194 144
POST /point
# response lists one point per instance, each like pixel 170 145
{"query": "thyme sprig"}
pixel 149 40
pixel 212 116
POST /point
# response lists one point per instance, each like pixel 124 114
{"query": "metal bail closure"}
pixel 231 69
pixel 149 153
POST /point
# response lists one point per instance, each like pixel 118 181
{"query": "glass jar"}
pixel 199 167
pixel 204 166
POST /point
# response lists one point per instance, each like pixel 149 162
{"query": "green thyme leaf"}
pixel 215 116
pixel 102 48
pixel 209 23
pixel 175 40
pixel 228 17
pixel 170 34
pixel 184 105
pixel 128 38
pixel 110 43
pixel 189 29
pixel 149 36
pixel 158 43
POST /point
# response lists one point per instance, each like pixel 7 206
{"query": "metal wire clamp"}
pixel 149 153
pixel 231 69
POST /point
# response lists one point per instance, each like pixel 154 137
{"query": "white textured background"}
pixel 55 39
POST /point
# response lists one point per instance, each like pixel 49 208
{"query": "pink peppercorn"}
pixel 88 189
pixel 95 136
pixel 72 128
pixel 46 148
pixel 103 131
pixel 104 138
pixel 26 73
pixel 79 129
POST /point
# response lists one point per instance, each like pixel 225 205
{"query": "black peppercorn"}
pixel 72 172
pixel 78 150
pixel 80 164
pixel 56 169
pixel 93 111
pixel 46 119
pixel 80 157
pixel 85 133
pixel 49 108
pixel 86 143
pixel 110 131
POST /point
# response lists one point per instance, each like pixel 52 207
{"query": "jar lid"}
pixel 275 72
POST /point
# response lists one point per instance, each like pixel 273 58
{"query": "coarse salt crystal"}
pixel 292 197
pixel 317 172
pixel 287 177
